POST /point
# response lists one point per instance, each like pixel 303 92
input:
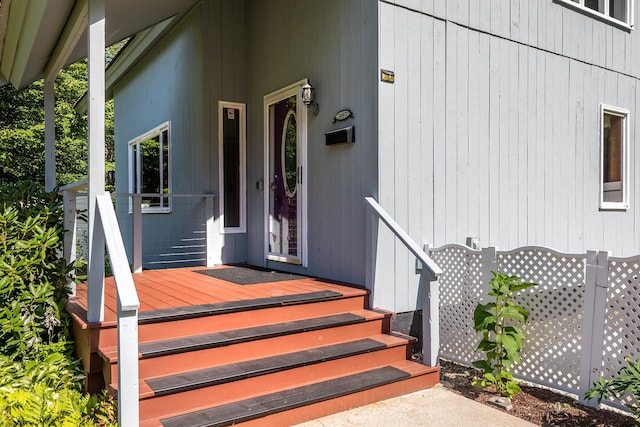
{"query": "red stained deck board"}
pixel 182 287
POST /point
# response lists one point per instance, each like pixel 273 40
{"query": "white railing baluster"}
pixel 136 200
pixel 69 204
pixel 210 230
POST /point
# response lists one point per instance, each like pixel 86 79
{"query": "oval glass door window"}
pixel 290 153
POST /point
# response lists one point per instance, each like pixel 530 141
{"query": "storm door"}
pixel 285 129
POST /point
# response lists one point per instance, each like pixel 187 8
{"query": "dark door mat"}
pixel 249 275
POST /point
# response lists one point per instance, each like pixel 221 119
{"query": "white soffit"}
pixel 32 30
pixel 5 5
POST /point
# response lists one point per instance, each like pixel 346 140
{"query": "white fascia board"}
pixel 128 58
pixel 73 30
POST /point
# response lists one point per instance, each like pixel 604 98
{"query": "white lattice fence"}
pixel 553 336
pixel 460 291
pixel 622 316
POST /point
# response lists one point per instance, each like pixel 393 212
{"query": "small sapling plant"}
pixel 501 339
pixel 627 382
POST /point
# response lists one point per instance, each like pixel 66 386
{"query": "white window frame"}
pixel 628 23
pixel 243 166
pixel 166 126
pixel 626 126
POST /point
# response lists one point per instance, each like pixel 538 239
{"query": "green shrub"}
pixel 501 339
pixel 40 379
pixel 33 276
pixel 46 391
pixel 627 382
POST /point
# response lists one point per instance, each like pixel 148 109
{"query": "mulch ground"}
pixel 536 405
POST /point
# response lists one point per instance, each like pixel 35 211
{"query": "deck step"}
pixel 225 338
pixel 265 405
pixel 251 368
pixel 190 312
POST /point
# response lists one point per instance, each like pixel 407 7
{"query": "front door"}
pixel 285 125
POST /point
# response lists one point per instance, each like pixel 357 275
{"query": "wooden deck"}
pixel 182 287
pixel 272 353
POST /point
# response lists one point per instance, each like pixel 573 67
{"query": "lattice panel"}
pixel 622 317
pixel 553 335
pixel 460 291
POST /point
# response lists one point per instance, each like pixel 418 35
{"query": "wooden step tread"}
pixel 225 338
pixel 251 368
pixel 179 313
pixel 261 406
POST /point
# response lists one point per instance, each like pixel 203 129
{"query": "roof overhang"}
pixel 38 37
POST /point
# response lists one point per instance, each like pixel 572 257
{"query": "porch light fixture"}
pixel 308 94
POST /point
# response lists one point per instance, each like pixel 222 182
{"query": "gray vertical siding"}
pixel 334 44
pixel 164 87
pixel 224 53
pixel 181 80
pixel 503 141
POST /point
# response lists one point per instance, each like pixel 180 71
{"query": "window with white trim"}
pixel 614 148
pixel 232 169
pixel 616 11
pixel 149 168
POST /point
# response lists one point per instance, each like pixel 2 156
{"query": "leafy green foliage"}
pixel 40 379
pixel 22 129
pixel 501 339
pixel 33 279
pixel 46 391
pixel 22 152
pixel 626 382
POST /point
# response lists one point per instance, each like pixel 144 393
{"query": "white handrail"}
pixel 128 305
pixel 404 237
pixel 430 295
pixel 78 185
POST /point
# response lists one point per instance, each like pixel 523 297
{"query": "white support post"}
pixel 136 201
pixel 210 230
pixel 597 284
pixel 70 234
pixel 371 245
pixel 430 318
pixel 49 136
pixel 128 387
pixel 96 43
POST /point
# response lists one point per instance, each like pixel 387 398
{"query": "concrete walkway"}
pixel 434 407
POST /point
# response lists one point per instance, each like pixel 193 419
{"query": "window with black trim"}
pixel 614 141
pixel 149 168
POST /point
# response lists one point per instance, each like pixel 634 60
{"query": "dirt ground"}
pixel 536 405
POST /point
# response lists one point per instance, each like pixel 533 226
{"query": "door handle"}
pixel 273 184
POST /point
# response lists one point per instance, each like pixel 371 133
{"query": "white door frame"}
pixel 301 121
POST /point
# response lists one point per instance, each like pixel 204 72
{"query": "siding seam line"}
pixel 391 3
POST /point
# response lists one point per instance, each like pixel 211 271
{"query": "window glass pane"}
pixel 231 166
pixel 150 163
pixel 165 167
pixel 618 9
pixel 613 133
pixel 597 5
pixel 134 155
